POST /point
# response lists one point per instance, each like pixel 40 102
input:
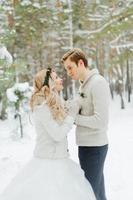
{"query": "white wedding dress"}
pixel 50 174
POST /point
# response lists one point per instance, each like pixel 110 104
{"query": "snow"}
pixel 95 16
pixel 67 11
pixel 119 163
pixel 128 45
pixel 23 88
pixel 5 55
pixel 26 3
pixel 102 28
pixel 11 95
pixel 36 5
pixel 15 153
pixel 117 38
pixel 95 19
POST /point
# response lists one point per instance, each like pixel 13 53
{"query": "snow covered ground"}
pixel 15 153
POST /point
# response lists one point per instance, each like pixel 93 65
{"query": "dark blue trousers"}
pixel 92 162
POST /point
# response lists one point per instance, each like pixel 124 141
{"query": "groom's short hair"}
pixel 75 55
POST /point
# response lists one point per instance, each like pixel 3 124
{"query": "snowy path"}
pixel 119 162
pixel 119 165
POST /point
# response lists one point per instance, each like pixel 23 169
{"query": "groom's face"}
pixel 72 69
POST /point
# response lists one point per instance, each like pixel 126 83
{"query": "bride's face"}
pixel 57 81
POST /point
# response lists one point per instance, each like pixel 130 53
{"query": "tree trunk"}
pixel 3 114
pixel 122 102
pixel 71 38
pixel 21 127
pixel 128 81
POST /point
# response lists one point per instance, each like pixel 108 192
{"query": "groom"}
pixel 92 120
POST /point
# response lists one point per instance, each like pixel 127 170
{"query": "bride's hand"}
pixel 73 107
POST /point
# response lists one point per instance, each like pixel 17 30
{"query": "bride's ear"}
pixel 53 88
pixel 51 85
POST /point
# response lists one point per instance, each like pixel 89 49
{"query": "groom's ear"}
pixel 80 62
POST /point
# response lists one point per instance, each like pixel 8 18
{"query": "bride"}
pixel 50 174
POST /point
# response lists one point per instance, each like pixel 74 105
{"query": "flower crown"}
pixel 48 73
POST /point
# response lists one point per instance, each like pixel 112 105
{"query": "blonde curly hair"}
pixel 46 93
